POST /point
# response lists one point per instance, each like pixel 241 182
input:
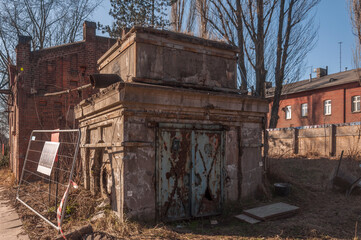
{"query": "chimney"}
pixel 89 30
pixel 23 50
pixel 24 40
pixel 322 72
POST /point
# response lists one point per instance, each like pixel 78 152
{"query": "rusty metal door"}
pixel 174 174
pixel 206 173
pixel 189 170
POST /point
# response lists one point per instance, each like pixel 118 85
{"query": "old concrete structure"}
pixel 174 139
pixel 46 71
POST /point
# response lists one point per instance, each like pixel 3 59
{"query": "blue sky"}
pixel 334 26
pixel 332 17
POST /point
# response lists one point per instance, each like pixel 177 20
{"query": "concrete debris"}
pixel 247 219
pixel 272 211
pixel 97 216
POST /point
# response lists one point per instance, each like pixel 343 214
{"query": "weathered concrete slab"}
pixel 272 211
pixel 10 223
pixel 247 219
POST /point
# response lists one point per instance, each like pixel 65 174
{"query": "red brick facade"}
pixel 45 71
pixel 341 102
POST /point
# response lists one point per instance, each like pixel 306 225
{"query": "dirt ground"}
pixel 325 212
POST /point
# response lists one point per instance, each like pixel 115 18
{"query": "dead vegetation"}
pixel 326 213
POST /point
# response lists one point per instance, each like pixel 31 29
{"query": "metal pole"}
pixel 57 183
pixel 340 54
pixel 71 174
pixel 22 173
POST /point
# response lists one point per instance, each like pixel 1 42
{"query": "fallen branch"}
pixel 67 91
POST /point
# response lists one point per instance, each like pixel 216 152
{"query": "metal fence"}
pixel 47 173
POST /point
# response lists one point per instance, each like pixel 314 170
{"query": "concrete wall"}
pixel 165 57
pixel 187 138
pixel 136 109
pixel 325 141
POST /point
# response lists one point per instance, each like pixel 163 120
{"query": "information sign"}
pixel 47 157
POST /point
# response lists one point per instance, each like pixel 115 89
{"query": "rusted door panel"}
pixel 206 173
pixel 174 174
pixel 189 171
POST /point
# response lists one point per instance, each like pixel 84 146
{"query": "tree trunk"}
pixel 282 55
pixel 240 61
pixel 278 81
pixel 275 107
pixel 260 67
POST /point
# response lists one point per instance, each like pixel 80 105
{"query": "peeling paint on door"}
pixel 189 172
pixel 206 172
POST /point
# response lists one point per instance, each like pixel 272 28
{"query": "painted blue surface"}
pixel 174 174
pixel 206 173
pixel 189 171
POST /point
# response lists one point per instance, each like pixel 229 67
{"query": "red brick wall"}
pixel 352 117
pixel 340 97
pixel 50 70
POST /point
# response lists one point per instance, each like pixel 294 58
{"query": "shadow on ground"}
pixel 325 213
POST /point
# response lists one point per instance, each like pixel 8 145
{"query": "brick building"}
pixel 326 99
pixel 45 71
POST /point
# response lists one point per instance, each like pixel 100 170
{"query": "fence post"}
pixel 332 139
pixel 295 140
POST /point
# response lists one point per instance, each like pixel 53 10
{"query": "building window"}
pixel 327 107
pixel 288 112
pixel 355 104
pixel 304 109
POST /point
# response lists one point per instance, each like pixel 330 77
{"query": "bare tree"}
pixel 355 9
pixel 68 29
pixel 273 38
pixel 355 13
pixel 257 18
pixel 48 22
pixel 244 24
pixel 203 8
pixel 183 15
pixel 294 40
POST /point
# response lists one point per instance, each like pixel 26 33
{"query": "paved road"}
pixel 10 223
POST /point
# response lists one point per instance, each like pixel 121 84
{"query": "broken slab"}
pixel 272 211
pixel 247 219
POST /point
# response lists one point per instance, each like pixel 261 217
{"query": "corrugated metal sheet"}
pixel 189 171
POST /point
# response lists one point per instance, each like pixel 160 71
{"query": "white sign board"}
pixel 47 157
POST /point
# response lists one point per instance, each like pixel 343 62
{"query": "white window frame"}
pixel 327 107
pixel 356 102
pixel 288 112
pixel 304 109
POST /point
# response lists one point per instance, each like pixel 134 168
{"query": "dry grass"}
pixel 325 213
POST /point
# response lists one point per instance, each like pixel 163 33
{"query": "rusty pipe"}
pixel 99 80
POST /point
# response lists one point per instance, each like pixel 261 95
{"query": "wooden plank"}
pixel 247 219
pixel 272 211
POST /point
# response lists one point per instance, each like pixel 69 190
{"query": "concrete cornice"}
pixel 152 95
